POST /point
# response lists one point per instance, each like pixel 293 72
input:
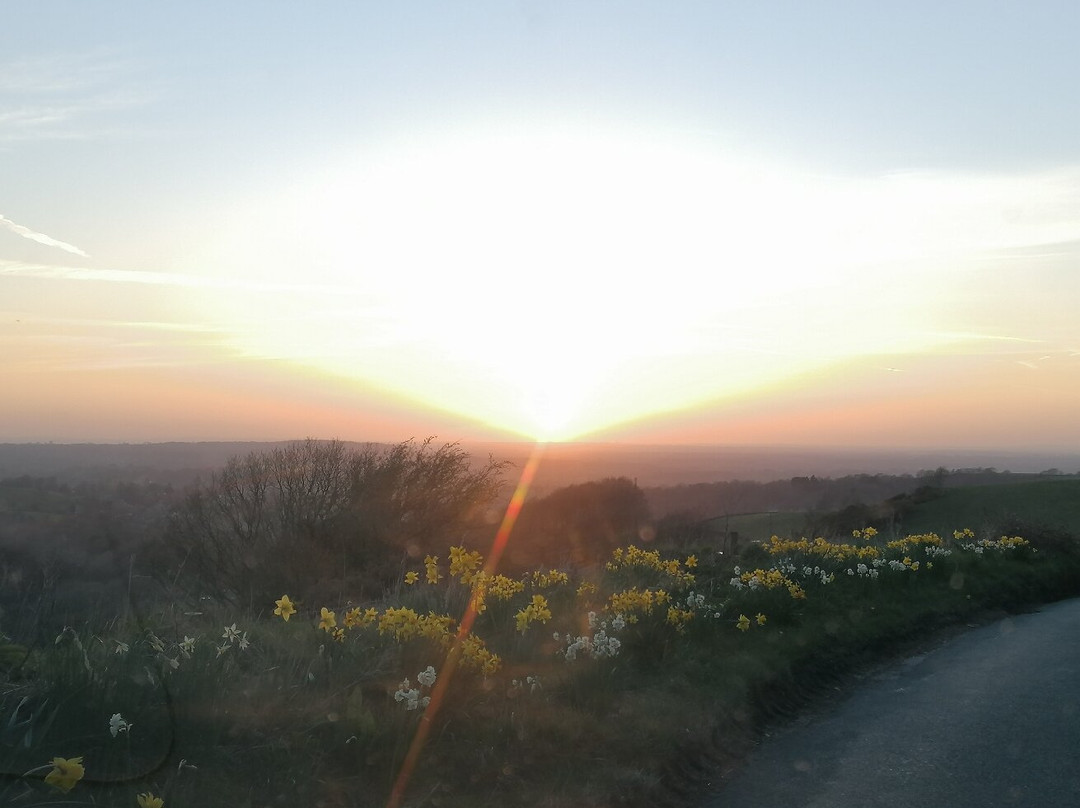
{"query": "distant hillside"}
pixel 563 464
pixel 894 504
pixel 819 495
pixel 1045 503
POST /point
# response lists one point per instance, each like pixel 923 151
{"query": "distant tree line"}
pixel 812 494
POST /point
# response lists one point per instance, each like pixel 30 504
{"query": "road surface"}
pixel 991 718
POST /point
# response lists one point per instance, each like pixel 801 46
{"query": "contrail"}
pixel 40 238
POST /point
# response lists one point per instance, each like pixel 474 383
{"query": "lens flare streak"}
pixel 442 684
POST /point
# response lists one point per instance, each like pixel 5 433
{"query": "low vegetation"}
pixel 632 679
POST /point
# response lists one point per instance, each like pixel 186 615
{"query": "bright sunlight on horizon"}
pixel 559 283
pixel 560 224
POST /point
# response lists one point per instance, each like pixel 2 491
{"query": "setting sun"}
pixel 559 283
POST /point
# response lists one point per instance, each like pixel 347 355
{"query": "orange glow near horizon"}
pixel 931 402
pixel 1011 401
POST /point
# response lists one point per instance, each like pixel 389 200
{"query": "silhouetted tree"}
pixel 312 513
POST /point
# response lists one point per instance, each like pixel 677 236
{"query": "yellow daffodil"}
pixel 761 619
pixel 679 618
pixel 631 601
pixel 543 580
pixel 285 608
pixel 464 564
pixel 66 773
pixel 586 589
pixel 411 578
pixel 691 561
pixel 148 800
pixel 744 623
pixel 536 612
pixel 327 619
pixel 476 656
pixel 431 569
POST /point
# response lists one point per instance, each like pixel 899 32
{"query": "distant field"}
pixel 1051 503
pixel 754 526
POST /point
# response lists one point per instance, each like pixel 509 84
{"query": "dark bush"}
pixel 315 514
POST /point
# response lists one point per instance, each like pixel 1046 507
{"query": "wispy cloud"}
pixel 58 73
pixel 61 344
pixel 974 336
pixel 54 97
pixel 54 272
pixel 124 325
pixel 40 238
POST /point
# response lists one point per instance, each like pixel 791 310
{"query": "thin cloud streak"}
pixel 40 238
pixel 52 272
pixel 57 97
pixel 970 335
pixel 145 325
pixel 59 73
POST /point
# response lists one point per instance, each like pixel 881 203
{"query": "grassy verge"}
pixel 634 684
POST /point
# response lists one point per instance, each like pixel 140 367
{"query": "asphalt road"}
pixel 991 718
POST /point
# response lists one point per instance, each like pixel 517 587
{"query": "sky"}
pixel 827 224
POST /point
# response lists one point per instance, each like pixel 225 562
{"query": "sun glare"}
pixel 556 284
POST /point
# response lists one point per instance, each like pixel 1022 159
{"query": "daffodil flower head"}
pixel 426 677
pixel 431 569
pixel 148 800
pixel 327 619
pixel 117 724
pixel 285 608
pixel 66 772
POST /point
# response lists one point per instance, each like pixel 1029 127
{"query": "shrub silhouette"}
pixel 315 514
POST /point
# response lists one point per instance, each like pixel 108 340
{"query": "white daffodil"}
pixel 117 724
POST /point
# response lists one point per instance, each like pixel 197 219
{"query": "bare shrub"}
pixel 317 513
